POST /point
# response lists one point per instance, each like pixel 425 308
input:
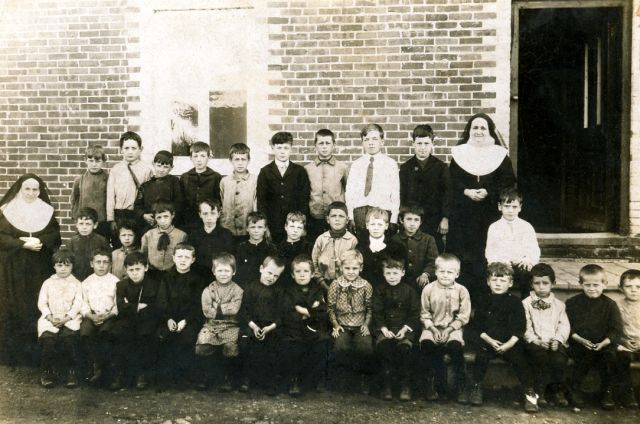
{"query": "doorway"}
pixel 569 105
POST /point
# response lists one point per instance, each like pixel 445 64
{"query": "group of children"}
pixel 223 278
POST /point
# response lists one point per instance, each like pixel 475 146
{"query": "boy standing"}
pixel 90 189
pixel 199 183
pixel 295 244
pixel 328 179
pixel 251 253
pixel 629 345
pixel 210 239
pixel 85 242
pixel 283 186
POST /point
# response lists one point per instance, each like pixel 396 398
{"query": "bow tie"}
pixel 540 304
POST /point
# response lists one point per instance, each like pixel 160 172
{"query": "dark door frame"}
pixel 625 125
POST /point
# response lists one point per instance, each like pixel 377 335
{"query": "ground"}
pixel 22 400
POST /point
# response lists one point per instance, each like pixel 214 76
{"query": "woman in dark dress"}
pixel 480 169
pixel 29 233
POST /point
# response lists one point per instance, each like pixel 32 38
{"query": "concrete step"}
pixel 589 245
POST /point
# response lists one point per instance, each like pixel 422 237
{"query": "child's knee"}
pixel 204 350
pixel 230 350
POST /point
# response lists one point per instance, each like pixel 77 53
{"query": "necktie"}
pixel 367 184
pixel 163 241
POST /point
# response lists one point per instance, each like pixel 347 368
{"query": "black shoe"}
pixel 559 398
pixel 431 394
pixel 405 392
pixel 294 389
pixel 463 396
pixel 201 386
pixel 141 382
pixel 244 386
pixel 72 379
pixel 531 401
pixel 607 403
pixel 628 398
pixel 116 384
pixel 226 386
pixel 46 379
pixel 475 397
pixel 386 391
pixel 95 377
pixel 272 390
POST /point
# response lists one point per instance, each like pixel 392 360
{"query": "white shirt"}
pixel 60 297
pixel 512 242
pixel 546 324
pixel 99 294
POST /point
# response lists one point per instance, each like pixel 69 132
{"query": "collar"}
pixel 238 177
pixel 548 300
pixel 443 286
pixel 134 163
pixel 207 171
pixel 281 164
pixel 419 235
pixel 505 222
pixel 478 160
pixel 344 283
pixel 368 157
pixel 376 245
pixel 28 217
pixel 330 161
pixel 169 231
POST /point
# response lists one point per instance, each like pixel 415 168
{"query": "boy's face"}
pixel 411 223
pixel 423 146
pixel 127 237
pixel 372 142
pixel 631 289
pixel 136 272
pixel 162 169
pixel 63 269
pixel 281 151
pixel 337 219
pixel 351 270
pixel 130 151
pixel 500 284
pixel 302 273
pixel 510 210
pixel 270 273
pixel 94 165
pixel 295 230
pixel 85 226
pixel 447 272
pixel 377 227
pixel 223 273
pixel 593 285
pixel 208 216
pixel 164 219
pixel 256 230
pixel 183 258
pixel 240 161
pixel 100 264
pixel 324 146
pixel 200 160
pixel 393 276
pixel 541 286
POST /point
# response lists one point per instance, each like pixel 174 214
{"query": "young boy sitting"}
pixel 500 327
pixel 261 314
pixel 90 189
pixel 251 253
pixel 210 239
pixel 330 245
pixel 595 327
pixel 220 302
pixel 128 244
pixel 629 346
pixel 396 320
pixel 85 242
pixel 421 248
pixel 159 242
pixel 238 193
pixel 547 335
pixel 199 183
pixel 446 309
pixel 60 302
pixel 283 186
pixel 98 311
pixel 424 180
pixel 513 240
pixel 295 244
pixel 349 306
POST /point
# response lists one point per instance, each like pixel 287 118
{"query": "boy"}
pixel 349 306
pixel 199 183
pixel 98 311
pixel 595 327
pixel 295 244
pixel 373 181
pixel 210 239
pixel 421 248
pixel 513 240
pixel 424 180
pixel 60 302
pixel 304 327
pixel 221 302
pixel 327 178
pixel 90 189
pixel 396 313
pixel 183 315
pixel 261 314
pixel 162 186
pixel 85 242
pixel 500 325
pixel 128 242
pixel 159 242
pixel 547 334
pixel 283 186
pixel 445 309
pixel 629 345
pixel 251 253
pixel 238 193
pixel 140 301
pixel 331 244
pixel 124 181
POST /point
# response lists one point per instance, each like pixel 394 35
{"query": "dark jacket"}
pixel 500 318
pixel 294 326
pixel 394 307
pixel 372 265
pixel 422 252
pixel 129 294
pixel 208 245
pixel 594 319
pixel 165 188
pixel 184 294
pixel 249 257
pixel 196 188
pixel 260 304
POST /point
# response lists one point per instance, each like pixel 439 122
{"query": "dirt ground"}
pixel 22 400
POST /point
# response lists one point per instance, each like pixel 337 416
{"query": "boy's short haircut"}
pixel 223 258
pixel 87 213
pixel 63 256
pixel 411 208
pixel 302 259
pixel 277 261
pixel 422 130
pixel 127 224
pixel 377 213
pixel 630 274
pixel 324 132
pixel 135 258
pixel 499 269
pixel 351 255
pixel 592 269
pixel 510 194
pixel 447 257
pixel 392 263
pixel 213 204
pixel 95 152
pixel 338 205
pixel 297 216
pixel 371 127
pixel 130 135
pixel 282 137
pixel 100 251
pixel 255 216
pixel 239 149
pixel 543 270
pixel 163 157
pixel 163 205
pixel 185 246
pixel 199 146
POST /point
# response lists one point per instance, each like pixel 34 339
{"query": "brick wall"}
pixel 65 73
